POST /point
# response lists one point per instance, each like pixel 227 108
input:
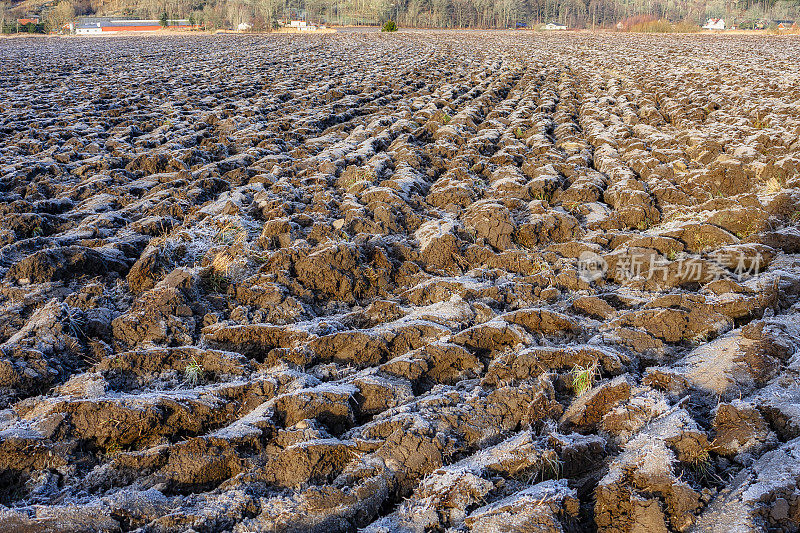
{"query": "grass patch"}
pixel 543 196
pixel 551 468
pixel 354 176
pixel 442 117
pixel 521 134
pixel 774 185
pixel 222 263
pixel 645 224
pixel 539 264
pixel 583 377
pixel 113 448
pixel 116 361
pixel 75 323
pixel 193 373
pixel 231 234
pixel 747 232
pixel 216 282
pixel 701 466
pixel 704 243
pixel 760 124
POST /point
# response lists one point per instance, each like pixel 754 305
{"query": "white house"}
pixel 714 24
pixel 302 25
pixel 88 28
pixel 98 25
pixel 550 26
pixel 244 26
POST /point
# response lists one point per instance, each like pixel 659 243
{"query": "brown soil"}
pixel 429 281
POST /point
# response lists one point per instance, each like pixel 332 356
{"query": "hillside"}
pixel 446 13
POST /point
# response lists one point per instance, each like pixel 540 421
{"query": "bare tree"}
pixel 3 8
pixel 269 10
pixel 441 13
pixel 63 13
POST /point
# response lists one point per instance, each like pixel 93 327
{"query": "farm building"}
pixel 31 19
pixel 714 24
pixel 552 26
pixel 98 25
pixel 302 25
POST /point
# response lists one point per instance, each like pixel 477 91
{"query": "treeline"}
pixel 56 18
pixel 266 14
pixel 30 27
pixel 465 13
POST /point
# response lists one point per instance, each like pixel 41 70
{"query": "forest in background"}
pixel 265 14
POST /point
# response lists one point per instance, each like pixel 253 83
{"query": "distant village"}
pixel 719 25
pixel 98 25
pixel 112 25
pixel 712 24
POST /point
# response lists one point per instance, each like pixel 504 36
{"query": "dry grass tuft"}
pixel 583 377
